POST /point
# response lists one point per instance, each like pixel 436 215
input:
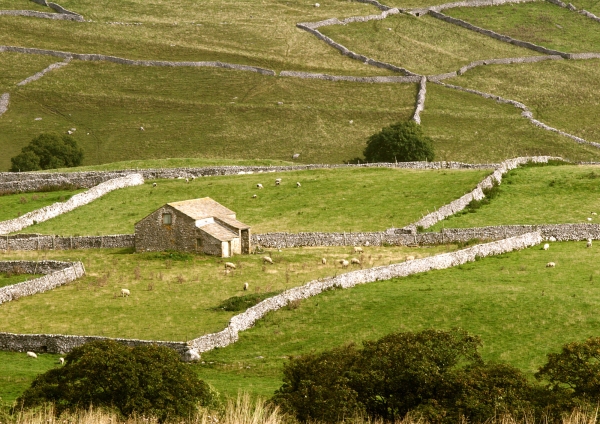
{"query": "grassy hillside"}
pixel 539 195
pixel 23 5
pixel 590 5
pixel 329 200
pixel 15 205
pixel 423 45
pixel 540 22
pixel 15 67
pixel 564 94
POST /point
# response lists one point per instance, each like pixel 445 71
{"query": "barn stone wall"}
pixel 152 235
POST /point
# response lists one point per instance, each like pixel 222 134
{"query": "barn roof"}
pixel 233 222
pixel 202 208
pixel 218 232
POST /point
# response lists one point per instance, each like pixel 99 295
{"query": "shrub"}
pixel 48 151
pixel 145 380
pixel 241 303
pixel 401 142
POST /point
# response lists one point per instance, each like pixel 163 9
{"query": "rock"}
pixel 191 355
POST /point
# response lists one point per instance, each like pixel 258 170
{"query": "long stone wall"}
pixel 472 3
pixel 4 99
pixel 74 202
pixel 325 77
pixel 248 318
pixel 57 274
pixel 420 106
pixel 43 72
pixel 51 242
pixel 43 15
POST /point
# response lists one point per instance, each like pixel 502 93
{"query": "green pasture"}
pixel 10 279
pixel 200 113
pixel 564 94
pixel 17 371
pixel 15 67
pixel 423 45
pixel 15 205
pixel 364 199
pixel 23 5
pixel 538 195
pixel 470 128
pixel 590 5
pixel 236 31
pixel 541 23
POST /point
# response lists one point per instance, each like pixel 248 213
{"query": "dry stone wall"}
pixel 58 274
pixel 420 106
pixel 43 72
pixel 4 99
pixel 51 242
pixel 74 202
pixel 380 79
pixel 43 15
pixel 248 318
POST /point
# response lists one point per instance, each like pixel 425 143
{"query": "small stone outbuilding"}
pixel 197 225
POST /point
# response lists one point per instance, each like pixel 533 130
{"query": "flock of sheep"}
pixel 547 246
pixel 277 183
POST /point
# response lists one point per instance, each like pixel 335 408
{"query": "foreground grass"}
pixel 472 129
pixel 170 299
pixel 563 94
pixel 541 23
pixel 201 113
pixel 15 205
pixel 350 199
pixel 538 195
pixel 521 309
pixel 424 45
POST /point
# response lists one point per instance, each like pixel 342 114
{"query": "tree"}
pixel 145 380
pixel 401 142
pixel 47 151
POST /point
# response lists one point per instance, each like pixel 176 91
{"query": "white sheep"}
pixel 552 238
pixel 589 242
pixel 589 219
pixel 358 249
pixel 31 354
pixel 550 265
pixel 141 128
pixel 254 196
pixel 298 184
pixel 61 361
pixel 317 5
pixel 410 258
pixel 594 213
pixel 229 265
pixel 344 263
pixel 354 261
pixel 295 155
pixel 153 184
pixel 245 286
pixel 277 181
pixel 187 180
pixel 267 259
pixel 324 261
pixel 259 186
pixel 546 246
pixel 125 293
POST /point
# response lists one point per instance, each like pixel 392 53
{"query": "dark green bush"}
pixel 401 142
pixel 145 380
pixel 48 151
pixel 241 303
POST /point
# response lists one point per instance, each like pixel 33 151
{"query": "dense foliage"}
pixel 400 142
pixel 145 380
pixel 48 151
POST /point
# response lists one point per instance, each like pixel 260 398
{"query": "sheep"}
pixel 245 286
pixel 153 184
pixel 317 5
pixel 354 261
pixel 254 196
pixel 358 249
pixel 589 219
pixel 187 180
pixel 267 259
pixel 277 181
pixel 344 263
pixel 61 361
pixel 552 238
pixel 594 213
pixel 31 354
pixel 125 293
pixel 229 265
pixel 589 243
pixel 298 184
pixel 410 258
pixel 141 128
pixel 259 186
pixel 546 246
pixel 550 265
pixel 324 261
pixel 295 156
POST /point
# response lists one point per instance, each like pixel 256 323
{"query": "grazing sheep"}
pixel 298 184
pixel 187 180
pixel 153 184
pixel 546 246
pixel 410 258
pixel 245 286
pixel 589 243
pixel 550 265
pixel 125 293
pixel 61 361
pixel 229 265
pixel 31 354
pixel 589 219
pixel 324 261
pixel 344 263
pixel 141 128
pixel 254 196
pixel 552 238
pixel 295 155
pixel 358 249
pixel 259 186
pixel 354 261
pixel 594 213
pixel 317 5
pixel 277 181
pixel 267 259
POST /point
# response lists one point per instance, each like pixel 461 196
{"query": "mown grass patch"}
pixel 540 23
pixel 539 195
pixel 521 309
pixel 15 205
pixel 170 300
pixel 363 199
pixel 470 128
pixel 201 113
pixel 424 45
pixel 15 67
pixel 564 94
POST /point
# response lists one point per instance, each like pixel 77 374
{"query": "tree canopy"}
pixel 400 142
pixel 48 151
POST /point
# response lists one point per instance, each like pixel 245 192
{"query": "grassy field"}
pixel 10 279
pixel 15 205
pixel 540 23
pixel 423 45
pixel 470 128
pixel 564 94
pixel 23 5
pixel 15 67
pixel 201 112
pixel 592 6
pixel 364 199
pixel 538 195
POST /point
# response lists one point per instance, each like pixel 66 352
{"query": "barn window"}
pixel 167 218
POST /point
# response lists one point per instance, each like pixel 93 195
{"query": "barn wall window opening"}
pixel 167 219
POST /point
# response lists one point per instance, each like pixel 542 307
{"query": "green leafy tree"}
pixel 400 142
pixel 145 380
pixel 48 151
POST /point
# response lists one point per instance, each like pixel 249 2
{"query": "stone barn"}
pixel 197 225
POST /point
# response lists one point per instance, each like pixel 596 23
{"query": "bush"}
pixel 48 151
pixel 401 142
pixel 241 303
pixel 145 380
